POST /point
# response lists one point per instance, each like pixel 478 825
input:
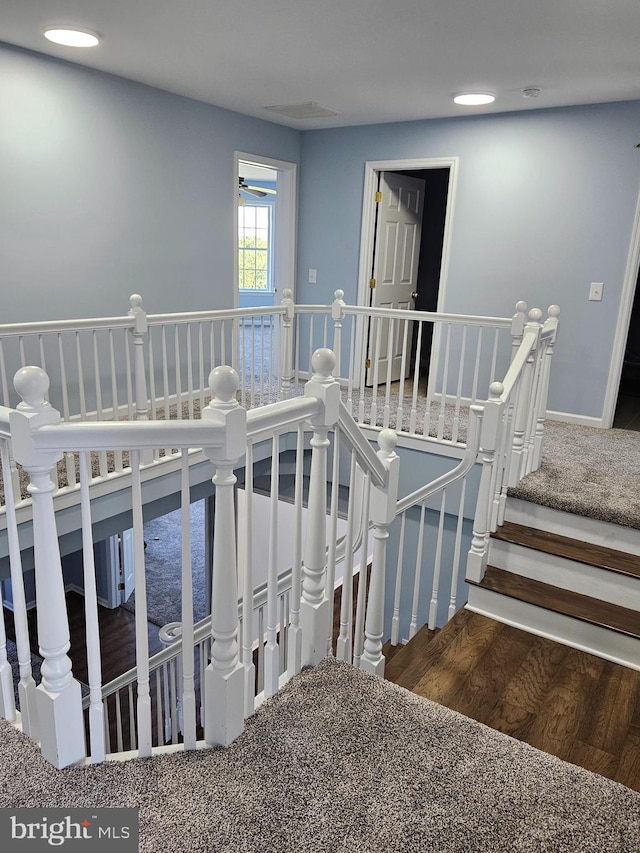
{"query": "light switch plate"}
pixel 595 291
pixel 313 276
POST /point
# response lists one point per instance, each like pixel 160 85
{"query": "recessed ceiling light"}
pixel 71 37
pixel 474 99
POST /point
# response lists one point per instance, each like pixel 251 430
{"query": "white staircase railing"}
pixel 39 439
pixel 156 367
pixel 222 679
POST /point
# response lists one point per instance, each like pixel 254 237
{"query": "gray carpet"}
pixel 587 471
pixel 163 564
pixel 341 761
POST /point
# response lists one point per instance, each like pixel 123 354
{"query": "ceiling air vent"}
pixel 310 109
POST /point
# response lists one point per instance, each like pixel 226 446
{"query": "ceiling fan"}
pixel 258 192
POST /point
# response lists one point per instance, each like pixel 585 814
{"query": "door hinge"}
pixel 372 283
pixel 367 363
pixel 378 197
pixel 120 586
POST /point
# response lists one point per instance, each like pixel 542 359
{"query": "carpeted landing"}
pixel 587 471
pixel 342 761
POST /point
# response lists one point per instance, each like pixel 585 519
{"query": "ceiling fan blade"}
pixel 264 190
pixel 255 191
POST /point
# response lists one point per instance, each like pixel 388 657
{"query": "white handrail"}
pixel 406 314
pixel 216 314
pixel 367 458
pixel 464 466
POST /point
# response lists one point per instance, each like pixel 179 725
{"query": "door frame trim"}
pixel 367 232
pixel 285 232
pixel 622 324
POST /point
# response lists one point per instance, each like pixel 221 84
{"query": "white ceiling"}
pixel 368 60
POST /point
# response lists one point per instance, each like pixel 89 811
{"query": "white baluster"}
pixel 294 649
pixel 139 334
pixel 247 593
pixel 337 314
pixel 541 403
pixel 286 372
pixel 395 620
pixel 314 604
pixel 271 649
pixel 382 511
pixel 493 411
pixel 26 685
pixel 224 676
pixel 58 697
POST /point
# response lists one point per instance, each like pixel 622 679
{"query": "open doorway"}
pixel 622 396
pixel 414 250
pixel 627 413
pixel 264 229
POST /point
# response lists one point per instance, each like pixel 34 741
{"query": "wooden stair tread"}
pixel 572 549
pixel 561 601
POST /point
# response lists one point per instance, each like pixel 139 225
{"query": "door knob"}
pixel 414 294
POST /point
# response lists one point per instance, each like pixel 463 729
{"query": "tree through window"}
pixel 254 225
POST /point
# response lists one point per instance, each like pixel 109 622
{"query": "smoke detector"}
pixel 530 92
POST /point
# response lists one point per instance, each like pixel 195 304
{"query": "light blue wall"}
pixel 109 187
pixel 545 205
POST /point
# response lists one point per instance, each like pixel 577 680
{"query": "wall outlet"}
pixel 313 276
pixel 595 291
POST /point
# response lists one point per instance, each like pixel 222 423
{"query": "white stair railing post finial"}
pixel 314 603
pixel 337 315
pixel 224 676
pixel 382 511
pixel 58 696
pixel 286 372
pixel 139 333
pixel 489 442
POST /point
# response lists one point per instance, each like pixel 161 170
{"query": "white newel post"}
pixel 551 323
pixel 58 696
pixel 337 314
pixel 314 603
pixel 477 557
pixel 224 676
pixel 382 511
pixel 517 463
pixel 286 373
pixel 139 333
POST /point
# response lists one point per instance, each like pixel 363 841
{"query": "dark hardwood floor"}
pixel 117 638
pixel 578 707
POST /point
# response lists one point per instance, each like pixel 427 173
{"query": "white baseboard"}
pixel 580 420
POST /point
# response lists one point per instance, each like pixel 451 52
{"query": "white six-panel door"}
pixel 395 267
